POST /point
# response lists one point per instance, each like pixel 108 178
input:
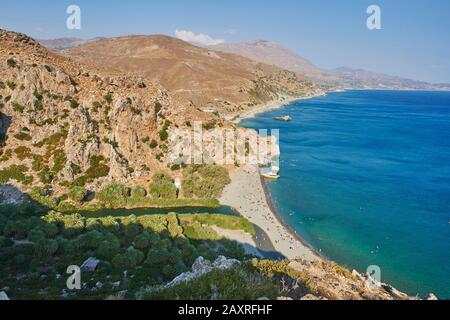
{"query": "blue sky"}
pixel 414 41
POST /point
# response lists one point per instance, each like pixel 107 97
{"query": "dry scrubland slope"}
pixel 228 82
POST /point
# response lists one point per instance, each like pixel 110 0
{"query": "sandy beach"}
pixel 275 104
pixel 247 195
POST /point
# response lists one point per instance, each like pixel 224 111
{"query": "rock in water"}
pixel 283 118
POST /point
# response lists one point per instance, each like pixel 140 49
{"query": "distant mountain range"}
pixel 337 79
pixel 274 54
pixel 61 44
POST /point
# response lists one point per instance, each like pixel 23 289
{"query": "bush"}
pixel 153 144
pixel 22 136
pixel 108 249
pixel 18 107
pixel 48 68
pixel 38 163
pixel 22 152
pixel 175 230
pixel 162 187
pixel 78 194
pixel 163 134
pixel 130 259
pixel 97 169
pixel 15 172
pixel 11 63
pixel 142 241
pixel 206 181
pixel 241 283
pixel 74 104
pixel 157 256
pixel 46 247
pixel 138 192
pixel 158 107
pixel 113 195
pixel 108 98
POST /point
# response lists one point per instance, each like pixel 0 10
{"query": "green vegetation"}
pixel 152 248
pixel 15 172
pixel 6 155
pixel 11 63
pixel 108 98
pixel 153 144
pixel 45 175
pixel 11 85
pixel 204 181
pixel 239 283
pixel 18 107
pixel 23 136
pixel 97 169
pixel 38 163
pixel 164 134
pixel 77 194
pixel 74 104
pixel 23 153
pixel 48 68
pixel 162 187
pixel 59 161
pixel 113 195
pixel 158 107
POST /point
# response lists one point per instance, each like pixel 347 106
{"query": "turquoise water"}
pixel 366 180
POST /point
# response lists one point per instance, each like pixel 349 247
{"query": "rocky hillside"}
pixel 231 279
pixel 274 54
pixel 63 123
pixel 226 82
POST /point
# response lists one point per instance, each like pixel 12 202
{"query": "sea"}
pixel 365 180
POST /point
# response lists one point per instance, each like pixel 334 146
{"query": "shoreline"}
pixel 272 105
pixel 248 196
pixel 290 238
pixel 286 225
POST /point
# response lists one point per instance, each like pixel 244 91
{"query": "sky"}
pixel 414 40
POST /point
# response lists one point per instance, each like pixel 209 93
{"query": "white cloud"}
pixel 200 38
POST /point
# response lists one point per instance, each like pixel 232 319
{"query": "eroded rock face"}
pixel 82 142
pixel 337 283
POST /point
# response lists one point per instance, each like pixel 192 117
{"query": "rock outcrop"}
pixel 202 266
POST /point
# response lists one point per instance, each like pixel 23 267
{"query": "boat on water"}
pixel 271 175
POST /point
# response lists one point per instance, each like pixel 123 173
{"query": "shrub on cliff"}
pixel 113 195
pixel 11 63
pixel 77 194
pixel 162 187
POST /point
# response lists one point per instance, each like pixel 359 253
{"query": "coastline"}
pixel 282 237
pixel 247 194
pixel 275 104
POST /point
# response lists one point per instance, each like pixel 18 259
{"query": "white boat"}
pixel 270 175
